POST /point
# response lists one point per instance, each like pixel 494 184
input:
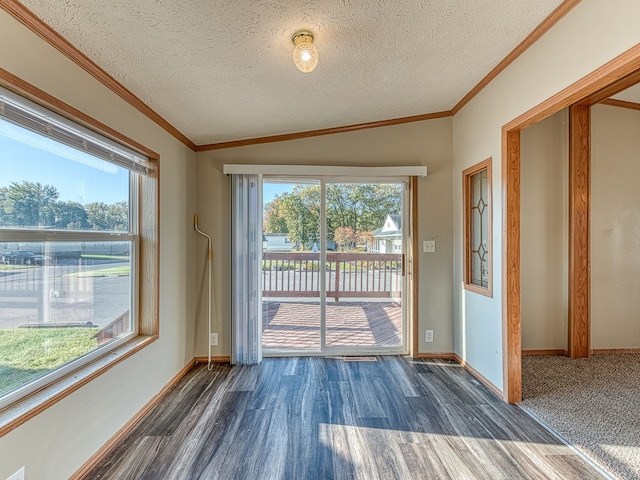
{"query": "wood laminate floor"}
pixel 326 418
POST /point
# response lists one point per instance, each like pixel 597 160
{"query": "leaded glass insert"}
pixel 479 233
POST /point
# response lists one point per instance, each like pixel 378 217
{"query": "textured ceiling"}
pixel 222 70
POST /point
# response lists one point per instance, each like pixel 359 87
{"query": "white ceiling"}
pixel 221 70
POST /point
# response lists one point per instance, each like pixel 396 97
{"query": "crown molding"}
pixel 324 131
pixel 555 16
pixel 28 19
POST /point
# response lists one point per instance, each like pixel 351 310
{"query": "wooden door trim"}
pixel 615 87
pixel 511 317
pixel 610 73
pixel 612 102
pixel 579 312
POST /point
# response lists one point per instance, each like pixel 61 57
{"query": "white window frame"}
pixel 20 235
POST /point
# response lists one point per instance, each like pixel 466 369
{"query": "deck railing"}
pixel 353 275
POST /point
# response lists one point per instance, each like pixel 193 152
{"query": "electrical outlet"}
pixel 213 338
pixel 19 475
pixel 428 336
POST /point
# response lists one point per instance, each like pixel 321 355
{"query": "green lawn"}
pixel 6 268
pixel 103 272
pixel 105 257
pixel 27 353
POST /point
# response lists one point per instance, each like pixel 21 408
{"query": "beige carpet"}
pixel 593 403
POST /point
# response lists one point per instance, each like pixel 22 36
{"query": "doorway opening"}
pixel 333 266
pixel 613 77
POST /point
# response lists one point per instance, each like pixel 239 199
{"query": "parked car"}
pixel 23 257
pixel 41 259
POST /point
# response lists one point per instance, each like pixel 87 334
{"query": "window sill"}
pixel 23 410
pixel 486 291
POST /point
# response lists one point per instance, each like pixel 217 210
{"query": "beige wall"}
pixel 593 33
pixel 615 224
pixel 615 227
pixel 55 443
pixel 544 208
pixel 423 143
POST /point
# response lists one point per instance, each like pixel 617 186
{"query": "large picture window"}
pixel 477 228
pixel 69 245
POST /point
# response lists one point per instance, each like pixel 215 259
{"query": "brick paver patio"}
pixel 296 325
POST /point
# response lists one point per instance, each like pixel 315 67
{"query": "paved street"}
pixel 54 294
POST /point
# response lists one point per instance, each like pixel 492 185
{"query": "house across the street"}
pixel 388 238
pixel 277 242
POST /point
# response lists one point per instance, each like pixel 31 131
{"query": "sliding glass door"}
pixel 365 258
pixel 291 266
pixel 333 267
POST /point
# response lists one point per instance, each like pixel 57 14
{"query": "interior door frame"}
pixel 408 213
pixel 614 76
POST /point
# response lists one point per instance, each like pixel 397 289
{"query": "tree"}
pixel 274 220
pixel 301 211
pixel 97 216
pixel 344 237
pixel 119 216
pixel 360 207
pixel 366 239
pixel 70 216
pixel 28 204
pixel 5 218
pixel 113 218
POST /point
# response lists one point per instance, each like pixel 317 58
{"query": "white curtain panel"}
pixel 246 268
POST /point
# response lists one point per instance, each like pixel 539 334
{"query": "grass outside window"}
pixel 28 353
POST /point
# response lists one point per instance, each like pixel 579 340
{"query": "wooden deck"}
pixel 296 325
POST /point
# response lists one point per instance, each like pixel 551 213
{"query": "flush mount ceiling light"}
pixel 305 55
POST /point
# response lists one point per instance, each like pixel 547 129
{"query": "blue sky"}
pixel 78 177
pixel 270 190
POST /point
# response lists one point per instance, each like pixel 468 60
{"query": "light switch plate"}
pixel 429 246
pixel 213 339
